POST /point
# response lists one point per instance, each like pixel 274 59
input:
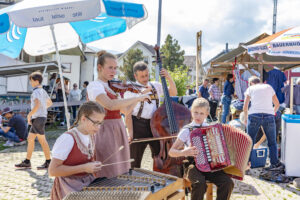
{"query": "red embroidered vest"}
pixel 112 114
pixel 76 157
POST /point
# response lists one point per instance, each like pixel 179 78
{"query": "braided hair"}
pixel 87 109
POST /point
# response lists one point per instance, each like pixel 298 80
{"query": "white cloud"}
pixel 231 21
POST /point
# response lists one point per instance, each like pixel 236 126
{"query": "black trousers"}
pixel 213 108
pixel 198 179
pixel 141 129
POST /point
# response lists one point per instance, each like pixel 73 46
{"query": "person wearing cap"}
pixel 16 130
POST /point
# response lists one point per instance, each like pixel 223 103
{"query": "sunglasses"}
pixel 95 123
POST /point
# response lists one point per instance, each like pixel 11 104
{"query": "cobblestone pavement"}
pixel 35 184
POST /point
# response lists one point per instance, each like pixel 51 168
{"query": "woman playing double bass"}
pixel 112 134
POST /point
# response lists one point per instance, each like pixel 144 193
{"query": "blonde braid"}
pixel 75 124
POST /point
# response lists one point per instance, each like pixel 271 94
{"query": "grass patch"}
pixel 52 127
pixel 1 146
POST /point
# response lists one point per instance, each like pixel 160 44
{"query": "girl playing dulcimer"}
pixel 73 152
pixel 112 134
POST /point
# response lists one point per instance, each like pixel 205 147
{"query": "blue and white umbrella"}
pixel 25 24
pixel 44 26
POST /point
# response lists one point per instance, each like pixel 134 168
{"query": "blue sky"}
pixel 221 21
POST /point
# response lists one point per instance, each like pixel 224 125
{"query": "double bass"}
pixel 166 122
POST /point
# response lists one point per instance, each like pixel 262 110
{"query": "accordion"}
pixel 222 147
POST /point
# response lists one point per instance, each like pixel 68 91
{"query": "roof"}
pixel 271 37
pixel 149 47
pixel 230 56
pixel 6 61
pixel 223 64
pixel 216 56
pixel 89 49
pixel 27 68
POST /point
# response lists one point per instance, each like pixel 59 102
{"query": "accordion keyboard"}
pixel 211 145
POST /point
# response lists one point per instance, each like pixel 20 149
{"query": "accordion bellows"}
pixel 222 147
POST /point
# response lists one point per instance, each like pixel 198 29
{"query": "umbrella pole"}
pixel 61 75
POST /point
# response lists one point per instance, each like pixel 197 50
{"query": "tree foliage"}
pixel 133 56
pixel 173 55
pixel 180 77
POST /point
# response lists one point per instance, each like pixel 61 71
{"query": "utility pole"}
pixel 198 59
pixel 274 17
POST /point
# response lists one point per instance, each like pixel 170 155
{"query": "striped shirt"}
pixel 216 93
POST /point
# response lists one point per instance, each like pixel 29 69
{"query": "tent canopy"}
pixel 20 69
pixel 223 64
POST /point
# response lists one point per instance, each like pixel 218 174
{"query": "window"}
pixel 66 67
pixel 17 83
pixel 146 59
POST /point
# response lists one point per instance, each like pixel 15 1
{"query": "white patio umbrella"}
pixel 31 19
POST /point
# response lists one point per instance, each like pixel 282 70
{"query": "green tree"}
pixel 133 56
pixel 180 77
pixel 173 55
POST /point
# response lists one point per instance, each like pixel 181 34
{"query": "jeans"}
pixel 267 121
pixel 62 115
pixel 297 108
pixel 74 108
pixel 225 100
pixel 10 135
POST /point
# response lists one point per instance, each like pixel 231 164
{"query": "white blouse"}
pixel 64 144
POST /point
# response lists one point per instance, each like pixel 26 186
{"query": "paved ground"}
pixel 33 184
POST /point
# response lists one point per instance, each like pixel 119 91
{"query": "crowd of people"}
pixel 99 136
pixel 72 95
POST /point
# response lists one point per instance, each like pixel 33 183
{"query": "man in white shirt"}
pixel 75 95
pixel 138 120
pixel 262 113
